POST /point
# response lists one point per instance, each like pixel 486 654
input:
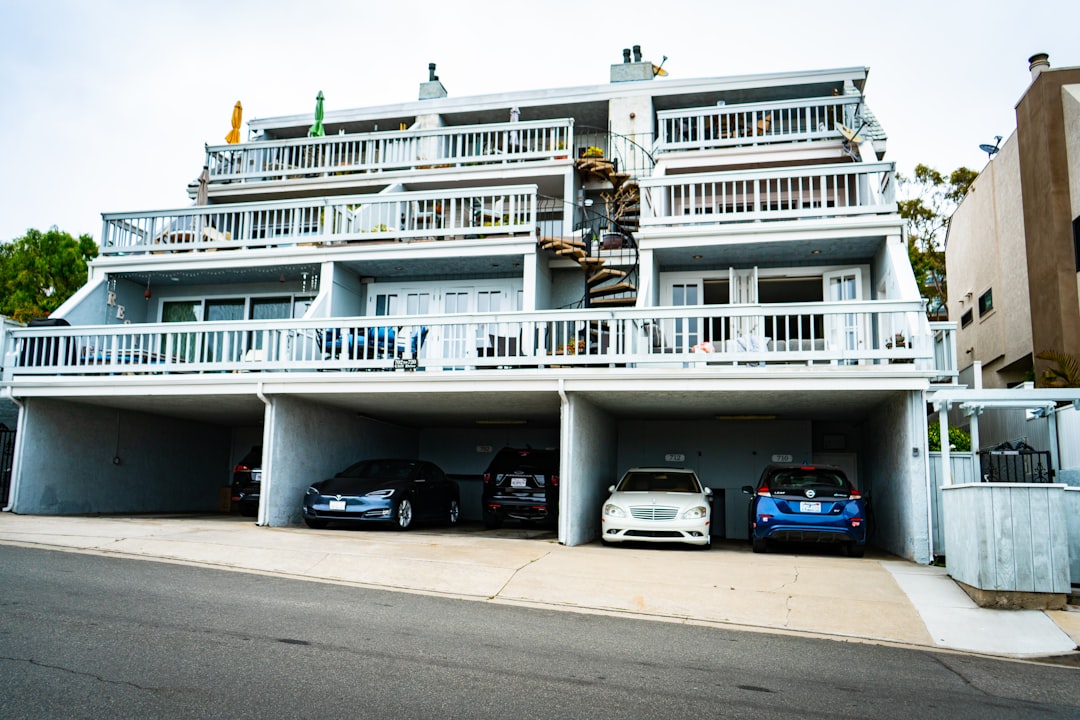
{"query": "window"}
pixel 986 302
pixel 1076 241
pixel 965 319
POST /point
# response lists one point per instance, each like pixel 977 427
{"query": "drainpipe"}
pixel 264 488
pixel 564 466
pixel 17 456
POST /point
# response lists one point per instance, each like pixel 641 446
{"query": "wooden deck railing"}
pixel 469 213
pixel 835 335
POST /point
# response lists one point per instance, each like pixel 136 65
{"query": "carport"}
pixel 133 452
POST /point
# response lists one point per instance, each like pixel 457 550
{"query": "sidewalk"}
pixel 877 598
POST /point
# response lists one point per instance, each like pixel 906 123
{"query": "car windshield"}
pixel 380 469
pixel 803 478
pixel 659 481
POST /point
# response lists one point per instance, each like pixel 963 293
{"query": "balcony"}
pixel 844 337
pixel 389 217
pixel 754 123
pixel 388 151
pixel 785 193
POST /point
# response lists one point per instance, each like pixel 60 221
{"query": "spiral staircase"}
pixel 604 244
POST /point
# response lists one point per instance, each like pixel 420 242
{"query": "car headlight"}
pixel 379 493
pixel 312 491
pixel 613 510
pixel 695 512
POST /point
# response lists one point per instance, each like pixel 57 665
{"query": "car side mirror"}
pixel 748 489
pixel 611 488
pixel 708 491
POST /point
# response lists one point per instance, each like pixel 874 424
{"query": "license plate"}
pixel 518 482
pixel 810 507
pixel 256 476
pixel 337 504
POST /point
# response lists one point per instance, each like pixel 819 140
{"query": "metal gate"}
pixel 7 459
pixel 1015 463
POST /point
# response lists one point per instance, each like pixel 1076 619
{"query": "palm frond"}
pixel 1067 372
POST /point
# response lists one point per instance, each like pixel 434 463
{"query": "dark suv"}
pixel 522 484
pixel 247 478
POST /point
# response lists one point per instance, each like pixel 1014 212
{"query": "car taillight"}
pixel 856 522
pixel 855 494
pixel 764 491
pixel 764 518
pixel 241 468
pixel 487 478
pixel 555 481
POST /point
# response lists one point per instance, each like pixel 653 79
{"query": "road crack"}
pixel 61 668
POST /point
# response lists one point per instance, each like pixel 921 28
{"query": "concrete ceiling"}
pixel 516 396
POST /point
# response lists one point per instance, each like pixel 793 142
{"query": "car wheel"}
pixel 404 514
pixel 760 545
pixel 315 523
pixel 855 550
pixel 455 511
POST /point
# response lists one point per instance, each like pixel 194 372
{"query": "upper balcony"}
pixel 386 217
pixel 389 151
pixel 783 193
pixel 755 123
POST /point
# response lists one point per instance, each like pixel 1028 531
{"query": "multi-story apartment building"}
pixel 706 273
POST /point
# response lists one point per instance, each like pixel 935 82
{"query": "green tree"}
pixel 930 200
pixel 40 270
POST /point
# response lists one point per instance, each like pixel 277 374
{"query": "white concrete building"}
pixel 706 273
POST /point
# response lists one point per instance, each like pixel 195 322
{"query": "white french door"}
pixel 844 331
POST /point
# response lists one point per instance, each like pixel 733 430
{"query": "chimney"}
pixel 1037 63
pixel 432 89
pixel 628 70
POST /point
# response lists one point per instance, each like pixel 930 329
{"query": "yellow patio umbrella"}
pixel 234 135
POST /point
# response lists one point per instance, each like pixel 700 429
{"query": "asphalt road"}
pixel 84 636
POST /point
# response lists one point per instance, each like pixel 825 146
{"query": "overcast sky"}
pixel 107 104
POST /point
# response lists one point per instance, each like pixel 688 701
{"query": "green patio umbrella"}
pixel 317 129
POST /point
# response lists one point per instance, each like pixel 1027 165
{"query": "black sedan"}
pixel 393 491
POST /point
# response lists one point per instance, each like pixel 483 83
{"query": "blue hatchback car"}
pixel 806 503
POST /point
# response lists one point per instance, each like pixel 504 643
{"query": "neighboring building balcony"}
pixel 842 337
pixel 385 217
pixel 783 193
pixel 754 123
pixel 386 151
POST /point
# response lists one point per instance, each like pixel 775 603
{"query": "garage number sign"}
pixel 781 458
pixel 674 457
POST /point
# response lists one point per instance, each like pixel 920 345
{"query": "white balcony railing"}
pixel 826 335
pixel 810 191
pixel 754 123
pixel 475 212
pixel 391 150
pixel 944 334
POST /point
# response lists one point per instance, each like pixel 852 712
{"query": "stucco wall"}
pixel 894 478
pixel 165 464
pixel 312 442
pixel 986 251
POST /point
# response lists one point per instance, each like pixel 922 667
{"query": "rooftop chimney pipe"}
pixel 626 55
pixel 432 77
pixel 1037 63
pixel 637 53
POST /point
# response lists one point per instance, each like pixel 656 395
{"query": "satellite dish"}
pixel 849 134
pixel 991 150
pixel 659 69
